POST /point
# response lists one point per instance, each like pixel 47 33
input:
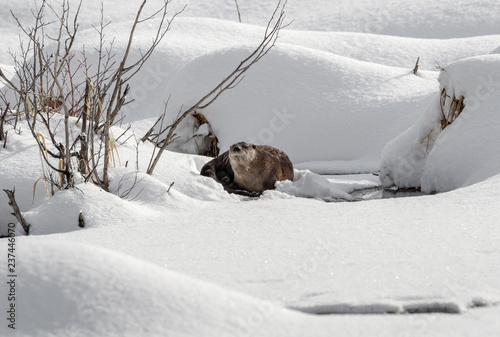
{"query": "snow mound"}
pixel 61 212
pixel 465 152
pixel 428 19
pixel 134 196
pixel 79 290
pixel 310 185
pixel 348 109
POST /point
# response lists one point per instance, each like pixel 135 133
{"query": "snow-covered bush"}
pixel 464 152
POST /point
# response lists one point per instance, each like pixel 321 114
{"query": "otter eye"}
pixel 253 146
pixel 245 147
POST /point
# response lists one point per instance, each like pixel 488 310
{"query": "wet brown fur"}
pixel 219 169
pixel 248 167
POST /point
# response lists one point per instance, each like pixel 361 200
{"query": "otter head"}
pixel 241 152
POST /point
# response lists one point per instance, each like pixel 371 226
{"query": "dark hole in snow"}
pixel 380 193
pixel 382 309
pixel 428 308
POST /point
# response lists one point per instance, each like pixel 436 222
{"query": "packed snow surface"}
pixel 338 94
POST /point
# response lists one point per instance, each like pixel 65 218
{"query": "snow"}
pixel 463 153
pixel 174 254
pixel 323 91
pixel 140 298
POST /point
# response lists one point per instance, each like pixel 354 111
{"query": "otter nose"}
pixel 236 149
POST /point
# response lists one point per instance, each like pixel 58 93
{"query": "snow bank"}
pixel 307 184
pixel 314 105
pixel 310 185
pixel 466 151
pixel 70 289
pixel 430 19
pixel 331 81
pixel 79 290
pixel 427 253
pixel 135 195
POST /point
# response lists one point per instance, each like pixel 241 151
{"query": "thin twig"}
pixel 172 184
pixel 415 70
pixel 238 9
pixel 271 34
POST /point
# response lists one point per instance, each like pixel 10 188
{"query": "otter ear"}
pixel 253 146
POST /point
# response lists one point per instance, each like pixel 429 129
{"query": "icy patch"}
pixel 340 166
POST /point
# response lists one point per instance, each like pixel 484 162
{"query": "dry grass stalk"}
pixel 455 109
pixel 427 141
pixel 213 148
pixel 200 118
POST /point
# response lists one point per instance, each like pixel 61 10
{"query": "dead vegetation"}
pixel 69 104
pixel 210 143
pixel 4 114
pixel 415 69
pixel 54 84
pixel 427 141
pixel 451 108
pixel 450 111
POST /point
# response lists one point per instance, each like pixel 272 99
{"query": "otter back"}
pixel 219 169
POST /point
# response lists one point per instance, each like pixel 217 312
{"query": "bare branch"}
pixel 3 116
pixel 160 33
pixel 17 211
pixel 117 99
pixel 271 34
pixel 238 10
pixel 8 82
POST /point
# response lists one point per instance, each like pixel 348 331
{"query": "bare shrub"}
pixel 50 91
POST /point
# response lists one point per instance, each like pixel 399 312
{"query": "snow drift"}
pixel 430 19
pixel 463 153
pixel 435 253
pixel 314 105
pixel 90 291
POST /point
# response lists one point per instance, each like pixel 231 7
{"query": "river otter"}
pixel 219 169
pixel 249 168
